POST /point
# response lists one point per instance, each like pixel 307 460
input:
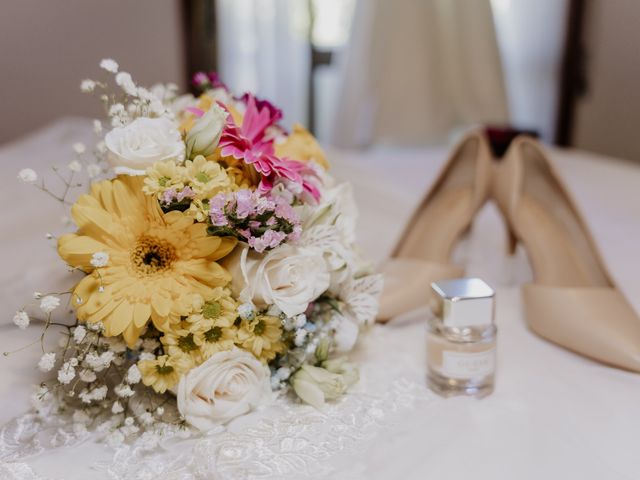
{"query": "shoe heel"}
pixel 512 242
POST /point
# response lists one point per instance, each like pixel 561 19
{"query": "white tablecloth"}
pixel 553 414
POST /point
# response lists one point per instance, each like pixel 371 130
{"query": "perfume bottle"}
pixel 461 338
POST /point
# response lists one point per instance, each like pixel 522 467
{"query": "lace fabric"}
pixel 288 441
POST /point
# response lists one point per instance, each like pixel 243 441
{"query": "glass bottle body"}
pixel 460 361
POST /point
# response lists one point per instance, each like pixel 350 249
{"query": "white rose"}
pixel 143 142
pixel 288 276
pixel 229 384
pixel 205 134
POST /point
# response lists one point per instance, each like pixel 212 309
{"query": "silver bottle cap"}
pixel 464 302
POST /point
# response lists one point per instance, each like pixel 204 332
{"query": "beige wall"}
pixel 608 118
pixel 48 46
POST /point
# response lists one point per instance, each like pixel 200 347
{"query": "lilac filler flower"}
pixel 245 204
pixel 264 222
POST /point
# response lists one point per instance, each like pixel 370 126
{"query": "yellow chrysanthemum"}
pixel 217 339
pixel 163 176
pixel 220 308
pixel 182 344
pixel 302 146
pixel 206 178
pixel 164 372
pixel 160 265
pixel 262 336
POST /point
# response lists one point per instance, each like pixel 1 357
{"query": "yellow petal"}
pixel 119 319
pixel 141 314
pixel 77 250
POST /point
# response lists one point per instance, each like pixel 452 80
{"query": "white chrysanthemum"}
pixel 117 408
pixel 79 333
pixel 79 148
pixel 109 65
pixel 66 373
pixel 21 319
pixel 47 361
pixel 87 86
pixel 133 374
pixel 75 166
pixel 49 303
pixel 28 175
pixel 99 259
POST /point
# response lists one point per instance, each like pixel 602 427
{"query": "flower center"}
pixel 259 327
pixel 211 310
pixel 213 335
pixel 164 369
pixel 152 255
pixel 186 344
pixel 202 177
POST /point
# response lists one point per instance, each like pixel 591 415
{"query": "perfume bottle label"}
pixel 468 365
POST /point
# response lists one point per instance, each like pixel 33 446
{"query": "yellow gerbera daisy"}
pixel 160 265
pixel 262 336
pixel 164 372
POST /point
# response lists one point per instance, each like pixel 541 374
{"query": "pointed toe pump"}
pixel 423 253
pixel 573 301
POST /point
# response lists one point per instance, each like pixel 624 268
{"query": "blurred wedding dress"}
pixel 417 70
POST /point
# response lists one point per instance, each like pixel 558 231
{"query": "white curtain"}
pixel 417 70
pixel 531 36
pixel 263 47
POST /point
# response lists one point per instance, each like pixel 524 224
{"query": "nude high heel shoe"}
pixel 423 253
pixel 573 300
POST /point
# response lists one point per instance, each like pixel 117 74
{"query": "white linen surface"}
pixel 553 414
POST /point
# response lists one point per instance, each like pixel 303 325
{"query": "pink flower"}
pixel 274 112
pixel 248 143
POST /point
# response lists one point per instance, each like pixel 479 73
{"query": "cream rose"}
pixel 145 141
pixel 288 276
pixel 204 136
pixel 229 384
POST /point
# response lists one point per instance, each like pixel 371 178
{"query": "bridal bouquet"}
pixel 216 264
